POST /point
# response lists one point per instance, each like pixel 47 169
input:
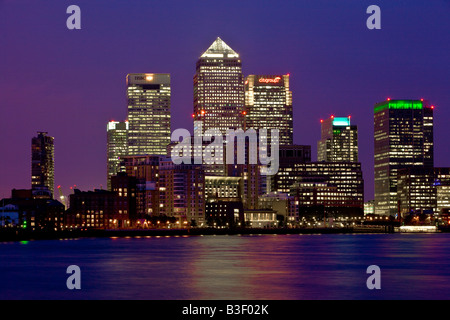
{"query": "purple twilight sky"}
pixel 72 82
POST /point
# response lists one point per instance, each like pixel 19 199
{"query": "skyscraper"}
pixel 339 140
pixel 148 98
pixel 43 163
pixel 403 139
pixel 268 105
pixel 219 89
pixel 117 146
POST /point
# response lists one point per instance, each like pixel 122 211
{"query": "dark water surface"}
pixel 266 267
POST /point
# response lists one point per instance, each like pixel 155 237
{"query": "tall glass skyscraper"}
pixel 339 140
pixel 117 146
pixel 219 89
pixel 43 163
pixel 268 105
pixel 148 98
pixel 403 139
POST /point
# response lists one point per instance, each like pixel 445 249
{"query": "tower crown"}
pixel 219 49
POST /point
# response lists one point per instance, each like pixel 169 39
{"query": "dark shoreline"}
pixel 41 235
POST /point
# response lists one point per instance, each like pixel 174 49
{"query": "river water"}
pixel 261 267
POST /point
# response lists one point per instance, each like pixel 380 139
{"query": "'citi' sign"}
pixel 269 80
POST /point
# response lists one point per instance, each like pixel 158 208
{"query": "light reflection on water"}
pixel 263 267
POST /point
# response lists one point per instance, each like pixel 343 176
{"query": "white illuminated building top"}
pixel 219 49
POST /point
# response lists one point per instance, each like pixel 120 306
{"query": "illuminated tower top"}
pixel 219 49
pixel 339 140
pixel 219 89
pixel 403 138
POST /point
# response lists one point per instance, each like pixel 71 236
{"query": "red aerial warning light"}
pixel 193 115
pixel 244 112
pixel 432 107
pixel 321 120
pixel 421 99
pixel 203 112
pixel 388 99
pixel 332 117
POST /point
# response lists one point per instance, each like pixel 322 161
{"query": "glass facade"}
pixel 148 97
pixel 423 190
pixel 219 89
pixel 334 189
pixel 117 146
pixel 339 141
pixel 268 105
pixel 403 139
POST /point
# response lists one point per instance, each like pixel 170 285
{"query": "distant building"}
pixel 423 190
pixel 225 212
pixel 182 191
pixel 283 204
pixel 117 146
pixel 339 140
pixel 335 189
pixel 223 187
pixel 403 139
pixel 289 157
pixel 369 207
pixel 261 218
pixel 164 188
pixel 29 212
pixel 145 168
pixel 268 105
pixel 94 210
pixel 148 96
pixel 219 89
pixel 126 189
pixel 253 183
pixel 43 164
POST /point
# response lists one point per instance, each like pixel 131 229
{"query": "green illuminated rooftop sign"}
pixel 399 104
pixel 341 122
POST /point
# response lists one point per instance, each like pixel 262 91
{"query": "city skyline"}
pixel 71 164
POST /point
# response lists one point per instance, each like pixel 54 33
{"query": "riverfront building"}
pixel 403 139
pixel 423 190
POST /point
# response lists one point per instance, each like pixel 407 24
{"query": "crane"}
pixel 61 197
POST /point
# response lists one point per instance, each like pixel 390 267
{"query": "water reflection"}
pixel 230 267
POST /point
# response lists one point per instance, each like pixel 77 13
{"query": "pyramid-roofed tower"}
pixel 220 48
pixel 219 96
